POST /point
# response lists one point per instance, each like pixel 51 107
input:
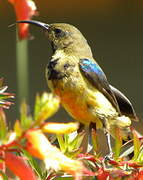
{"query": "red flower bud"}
pixel 19 167
pixel 24 9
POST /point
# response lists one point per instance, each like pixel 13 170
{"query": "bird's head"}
pixel 62 36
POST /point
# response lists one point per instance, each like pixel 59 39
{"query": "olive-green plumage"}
pixel 73 75
pixel 81 99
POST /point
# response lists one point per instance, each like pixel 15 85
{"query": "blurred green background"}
pixel 113 28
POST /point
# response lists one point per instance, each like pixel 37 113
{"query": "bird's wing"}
pixel 97 78
pixel 125 105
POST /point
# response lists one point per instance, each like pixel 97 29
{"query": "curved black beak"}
pixel 37 23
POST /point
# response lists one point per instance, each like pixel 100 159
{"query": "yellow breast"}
pixel 80 99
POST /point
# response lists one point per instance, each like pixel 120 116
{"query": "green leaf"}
pixel 25 119
pixel 37 107
pixel 45 106
pixel 4 96
pixel 94 140
pixel 61 142
pixel 3 125
pixel 137 144
pixel 34 164
pixel 118 143
pixel 18 129
pixel 140 156
pixel 44 175
pixel 77 141
pixel 127 152
pixel 70 143
pixel 63 178
pixel 3 175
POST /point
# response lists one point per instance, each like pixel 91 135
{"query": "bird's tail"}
pixel 125 127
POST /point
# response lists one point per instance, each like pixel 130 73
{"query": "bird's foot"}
pixel 106 161
pixel 108 157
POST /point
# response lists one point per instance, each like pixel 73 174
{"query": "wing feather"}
pixel 92 71
pixel 125 105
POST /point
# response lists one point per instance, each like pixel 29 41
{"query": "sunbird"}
pixel 73 74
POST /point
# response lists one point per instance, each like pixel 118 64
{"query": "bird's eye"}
pixel 59 33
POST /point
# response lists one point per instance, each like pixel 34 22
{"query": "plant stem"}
pixel 22 69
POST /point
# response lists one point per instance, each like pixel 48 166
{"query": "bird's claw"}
pixel 106 161
pixel 108 157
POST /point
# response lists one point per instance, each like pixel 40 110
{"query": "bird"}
pixel 74 75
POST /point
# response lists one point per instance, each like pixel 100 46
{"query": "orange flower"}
pixel 2 163
pixel 59 128
pixel 19 166
pixel 39 146
pixel 136 176
pixel 24 9
pixel 102 175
